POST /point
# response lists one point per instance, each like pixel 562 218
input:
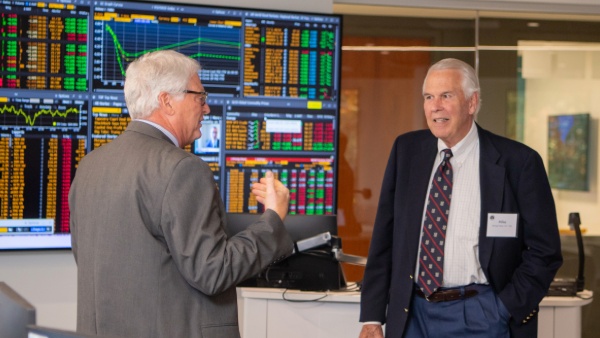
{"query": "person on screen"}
pixel 472 253
pixel 213 141
pixel 148 224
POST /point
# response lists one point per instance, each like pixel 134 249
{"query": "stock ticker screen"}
pixel 273 79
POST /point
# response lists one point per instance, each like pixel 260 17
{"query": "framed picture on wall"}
pixel 568 151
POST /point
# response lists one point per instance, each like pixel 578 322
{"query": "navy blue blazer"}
pixel 512 180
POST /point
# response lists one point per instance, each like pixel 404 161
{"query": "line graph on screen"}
pixel 18 115
pixel 123 37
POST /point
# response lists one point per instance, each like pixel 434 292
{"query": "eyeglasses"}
pixel 203 95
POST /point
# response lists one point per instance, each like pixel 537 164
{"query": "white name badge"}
pixel 502 225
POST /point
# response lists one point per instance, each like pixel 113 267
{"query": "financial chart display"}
pixel 273 83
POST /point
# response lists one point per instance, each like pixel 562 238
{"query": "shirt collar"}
pixel 164 131
pixel 464 145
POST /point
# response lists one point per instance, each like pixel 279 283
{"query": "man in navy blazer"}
pixel 502 246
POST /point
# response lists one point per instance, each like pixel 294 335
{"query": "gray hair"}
pixel 470 81
pixel 162 71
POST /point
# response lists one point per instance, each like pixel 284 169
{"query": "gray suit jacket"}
pixel 149 239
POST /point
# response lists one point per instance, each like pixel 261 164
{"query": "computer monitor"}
pixel 15 313
pixel 312 270
pixel 273 79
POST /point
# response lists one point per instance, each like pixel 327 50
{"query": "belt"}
pixel 446 295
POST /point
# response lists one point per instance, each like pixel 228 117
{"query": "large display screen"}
pixel 273 79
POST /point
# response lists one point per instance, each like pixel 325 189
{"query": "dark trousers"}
pixel 481 316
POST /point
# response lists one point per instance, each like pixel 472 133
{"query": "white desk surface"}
pixel 583 298
pixel 275 293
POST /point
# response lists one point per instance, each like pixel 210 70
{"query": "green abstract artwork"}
pixel 568 147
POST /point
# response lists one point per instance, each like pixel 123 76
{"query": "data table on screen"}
pixel 272 77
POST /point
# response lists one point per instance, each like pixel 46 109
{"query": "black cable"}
pixel 302 300
pixel 267 274
pixel 574 223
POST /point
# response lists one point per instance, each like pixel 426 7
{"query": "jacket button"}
pixel 524 321
pixel 405 310
pixel 411 277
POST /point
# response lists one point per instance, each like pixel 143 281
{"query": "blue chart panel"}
pixel 218 49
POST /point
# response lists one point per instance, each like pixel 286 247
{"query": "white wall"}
pixel 545 6
pixel 559 83
pixel 314 6
pixel 47 279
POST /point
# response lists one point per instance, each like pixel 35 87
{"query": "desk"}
pixel 263 313
pixel 561 316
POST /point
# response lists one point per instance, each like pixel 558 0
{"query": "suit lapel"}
pixel 420 171
pixel 491 179
pixel 410 196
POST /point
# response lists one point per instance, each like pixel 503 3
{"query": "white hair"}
pixel 162 71
pixel 470 81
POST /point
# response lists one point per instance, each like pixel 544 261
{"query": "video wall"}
pixel 273 79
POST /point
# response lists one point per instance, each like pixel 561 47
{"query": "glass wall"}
pixel 534 69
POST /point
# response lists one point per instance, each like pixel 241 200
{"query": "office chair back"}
pixel 15 313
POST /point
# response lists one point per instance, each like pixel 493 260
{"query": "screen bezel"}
pixel 62 241
pixel 299 226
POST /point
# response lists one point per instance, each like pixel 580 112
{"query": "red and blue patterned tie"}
pixel 431 260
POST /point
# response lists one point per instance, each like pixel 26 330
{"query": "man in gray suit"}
pixel 148 224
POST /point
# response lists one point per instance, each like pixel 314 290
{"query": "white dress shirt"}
pixel 461 249
pixel 164 131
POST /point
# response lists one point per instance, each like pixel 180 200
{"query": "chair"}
pixel 36 331
pixel 15 313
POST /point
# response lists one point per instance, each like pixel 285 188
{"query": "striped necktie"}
pixel 433 237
